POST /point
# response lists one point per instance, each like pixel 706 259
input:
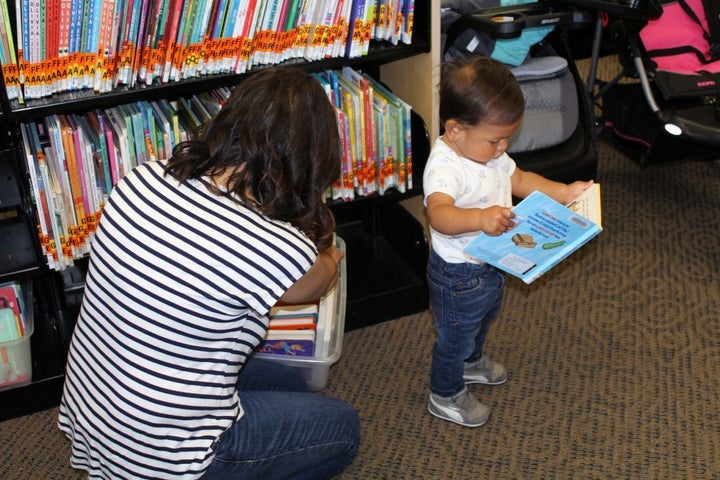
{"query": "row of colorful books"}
pixel 65 45
pixel 74 160
pixel 376 131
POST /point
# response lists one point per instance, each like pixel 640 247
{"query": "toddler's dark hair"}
pixel 479 89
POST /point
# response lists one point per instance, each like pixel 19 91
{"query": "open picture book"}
pixel 545 233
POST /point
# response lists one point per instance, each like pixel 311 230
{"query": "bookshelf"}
pixel 387 245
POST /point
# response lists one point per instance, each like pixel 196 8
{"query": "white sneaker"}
pixel 463 409
pixel 485 371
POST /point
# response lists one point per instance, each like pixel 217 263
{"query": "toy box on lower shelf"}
pixel 16 327
pixel 315 369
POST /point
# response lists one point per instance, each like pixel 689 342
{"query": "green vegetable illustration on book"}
pixel 527 241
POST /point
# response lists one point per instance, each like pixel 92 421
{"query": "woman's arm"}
pixel 321 277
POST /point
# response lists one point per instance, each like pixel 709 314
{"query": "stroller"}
pixel 557 136
pixel 673 49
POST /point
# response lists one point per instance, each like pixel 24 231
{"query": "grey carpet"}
pixel 613 359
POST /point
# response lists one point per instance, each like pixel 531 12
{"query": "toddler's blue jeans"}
pixel 287 432
pixel 465 298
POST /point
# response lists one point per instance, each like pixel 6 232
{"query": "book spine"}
pixel 350 114
pixel 52 46
pixel 385 175
pixel 54 220
pixel 50 198
pixel 334 30
pixel 92 189
pixel 158 45
pixel 368 25
pixel 146 51
pixel 380 16
pixel 84 181
pixel 56 199
pixel 103 47
pixel 353 47
pixel 112 154
pixel 247 35
pixel 233 15
pixel 38 190
pixel 409 15
pixel 148 127
pixel 170 37
pixel 10 67
pixel 313 29
pixel 77 235
pixel 93 26
pixel 294 347
pixel 146 17
pixel 62 184
pixel 53 127
pixel 219 21
pixel 27 50
pixel 203 38
pixel 407 143
pixel 104 152
pixel 349 167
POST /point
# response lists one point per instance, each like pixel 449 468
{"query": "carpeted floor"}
pixel 613 359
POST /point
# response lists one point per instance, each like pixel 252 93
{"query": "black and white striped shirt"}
pixel 176 297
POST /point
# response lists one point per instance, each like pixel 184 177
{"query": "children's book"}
pixel 292 323
pixel 299 343
pixel 545 233
pixel 294 317
pixel 367 128
pixel 294 310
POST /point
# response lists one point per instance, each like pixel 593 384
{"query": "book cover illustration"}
pixel 298 343
pixel 545 233
pixel 12 323
pixel 14 330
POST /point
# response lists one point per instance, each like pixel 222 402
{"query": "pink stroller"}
pixel 673 48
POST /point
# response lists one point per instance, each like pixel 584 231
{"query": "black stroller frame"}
pixel 690 123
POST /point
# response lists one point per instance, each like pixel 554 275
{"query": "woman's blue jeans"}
pixel 465 298
pixel 287 432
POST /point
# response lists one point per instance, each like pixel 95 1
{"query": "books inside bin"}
pixel 293 329
pixel 326 336
pixel 16 327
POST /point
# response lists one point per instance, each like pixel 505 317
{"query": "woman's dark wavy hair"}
pixel 478 89
pixel 279 126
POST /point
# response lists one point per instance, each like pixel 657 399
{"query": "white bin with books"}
pixel 16 327
pixel 328 335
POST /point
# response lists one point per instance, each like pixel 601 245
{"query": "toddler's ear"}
pixel 452 128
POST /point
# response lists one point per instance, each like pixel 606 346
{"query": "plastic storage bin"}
pixel 316 369
pixel 15 357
